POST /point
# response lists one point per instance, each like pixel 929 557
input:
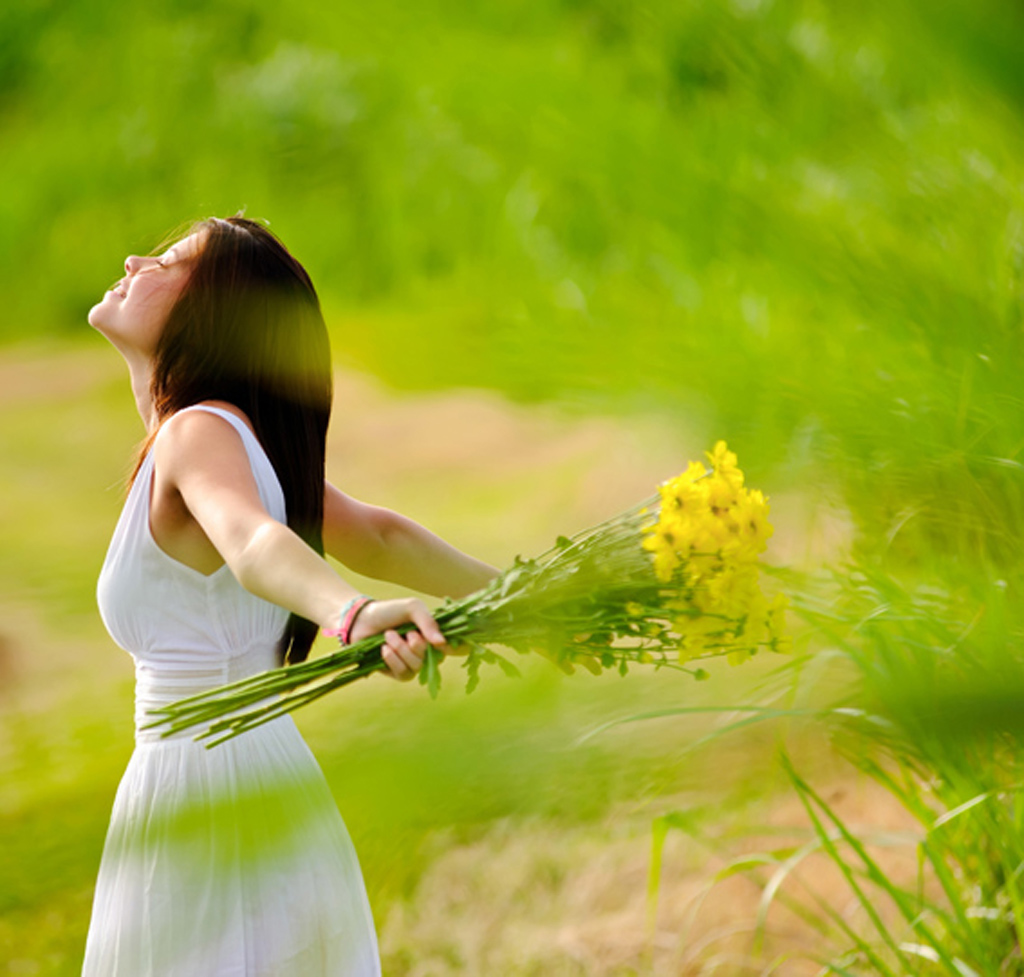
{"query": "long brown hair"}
pixel 247 329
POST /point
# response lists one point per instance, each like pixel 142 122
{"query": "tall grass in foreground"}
pixel 935 718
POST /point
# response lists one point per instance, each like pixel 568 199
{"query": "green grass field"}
pixel 563 247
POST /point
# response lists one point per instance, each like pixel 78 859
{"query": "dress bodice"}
pixel 187 631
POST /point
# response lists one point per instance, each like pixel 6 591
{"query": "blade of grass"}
pixel 807 795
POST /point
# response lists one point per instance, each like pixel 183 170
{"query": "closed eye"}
pixel 152 263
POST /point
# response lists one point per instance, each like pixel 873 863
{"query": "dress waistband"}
pixel 158 685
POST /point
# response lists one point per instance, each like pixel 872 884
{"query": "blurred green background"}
pixel 616 229
pixel 799 220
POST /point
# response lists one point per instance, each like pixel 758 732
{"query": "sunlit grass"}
pixel 798 227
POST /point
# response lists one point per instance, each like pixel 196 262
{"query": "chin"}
pixel 103 326
pixel 98 316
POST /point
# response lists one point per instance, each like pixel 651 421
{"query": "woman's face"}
pixel 133 312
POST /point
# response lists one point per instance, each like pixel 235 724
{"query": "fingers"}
pixel 403 654
pixel 424 620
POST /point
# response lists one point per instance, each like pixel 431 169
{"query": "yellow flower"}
pixel 665 563
pixel 683 497
pixel 724 463
pixel 753 513
pixel 710 535
pixel 722 495
pixel 661 543
pixel 669 540
pixel 683 529
pixel 700 569
pixel 732 590
pixel 749 529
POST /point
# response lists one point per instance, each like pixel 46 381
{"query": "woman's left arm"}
pixel 385 545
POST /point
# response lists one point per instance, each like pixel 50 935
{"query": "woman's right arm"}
pixel 202 462
pixel 385 545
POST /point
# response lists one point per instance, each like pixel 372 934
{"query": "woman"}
pixel 234 861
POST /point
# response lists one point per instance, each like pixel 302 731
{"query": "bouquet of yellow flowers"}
pixel 670 582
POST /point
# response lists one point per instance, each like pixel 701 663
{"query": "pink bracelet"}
pixel 348 615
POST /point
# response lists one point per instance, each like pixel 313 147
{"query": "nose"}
pixel 133 263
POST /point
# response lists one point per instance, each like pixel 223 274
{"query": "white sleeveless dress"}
pixel 223 862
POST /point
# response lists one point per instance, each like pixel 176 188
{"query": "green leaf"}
pixel 472 667
pixel 504 664
pixel 430 673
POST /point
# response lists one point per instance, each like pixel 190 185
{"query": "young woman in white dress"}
pixel 234 861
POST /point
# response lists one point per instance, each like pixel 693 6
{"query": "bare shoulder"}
pixel 192 436
pixel 204 497
pixel 190 424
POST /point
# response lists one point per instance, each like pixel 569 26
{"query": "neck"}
pixel 141 371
